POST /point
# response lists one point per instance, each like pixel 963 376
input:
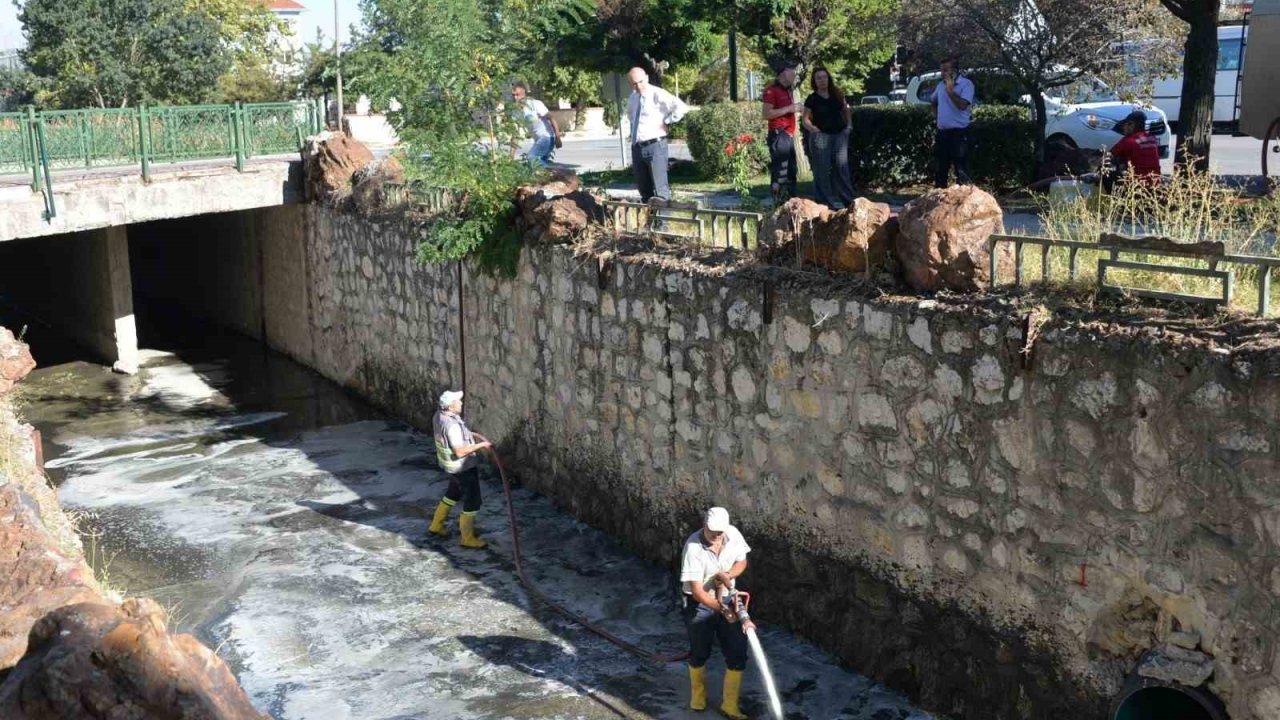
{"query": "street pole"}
pixel 733 64
pixel 337 51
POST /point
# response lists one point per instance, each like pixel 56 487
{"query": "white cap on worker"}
pixel 449 397
pixel 717 519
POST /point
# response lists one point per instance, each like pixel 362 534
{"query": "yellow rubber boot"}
pixel 437 522
pixel 732 687
pixel 697 688
pixel 467 523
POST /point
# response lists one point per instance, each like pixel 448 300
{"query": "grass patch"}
pixel 1190 207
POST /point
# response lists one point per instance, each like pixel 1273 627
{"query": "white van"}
pixel 1083 116
pixel 1166 93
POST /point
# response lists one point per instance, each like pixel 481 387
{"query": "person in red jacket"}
pixel 1137 153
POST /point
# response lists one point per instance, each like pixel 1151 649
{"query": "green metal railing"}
pixel 38 143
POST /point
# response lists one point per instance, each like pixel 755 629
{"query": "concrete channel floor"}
pixel 282 521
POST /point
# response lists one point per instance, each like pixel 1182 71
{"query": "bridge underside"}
pixel 99 290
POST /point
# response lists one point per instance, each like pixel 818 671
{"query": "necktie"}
pixel 635 121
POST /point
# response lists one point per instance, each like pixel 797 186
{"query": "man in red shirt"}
pixel 1138 153
pixel 780 111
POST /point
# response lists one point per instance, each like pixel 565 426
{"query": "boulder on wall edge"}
pixel 15 360
pixel 853 239
pixel 555 211
pixel 944 240
pixel 788 222
pixel 330 161
pixel 369 184
pixel 95 660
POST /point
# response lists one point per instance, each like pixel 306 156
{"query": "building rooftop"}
pixel 284 5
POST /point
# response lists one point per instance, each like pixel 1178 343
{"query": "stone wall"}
pixel 998 528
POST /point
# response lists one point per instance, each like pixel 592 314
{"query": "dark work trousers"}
pixel 465 486
pixel 649 163
pixel 782 164
pixel 706 625
pixel 951 149
pixel 832 184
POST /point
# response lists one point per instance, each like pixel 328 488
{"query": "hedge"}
pixel 889 145
pixel 711 127
pixel 892 145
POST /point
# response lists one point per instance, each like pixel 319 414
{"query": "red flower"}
pixel 729 149
pixel 745 138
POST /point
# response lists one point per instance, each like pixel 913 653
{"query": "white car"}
pixel 1083 116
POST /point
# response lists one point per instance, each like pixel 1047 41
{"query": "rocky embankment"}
pixel 66 650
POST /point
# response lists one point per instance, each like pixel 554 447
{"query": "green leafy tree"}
pixel 852 38
pixel 17 88
pixel 319 70
pixel 247 27
pixel 447 64
pixel 112 54
pixel 656 35
pixel 254 82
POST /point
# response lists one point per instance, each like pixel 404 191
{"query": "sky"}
pixel 319 14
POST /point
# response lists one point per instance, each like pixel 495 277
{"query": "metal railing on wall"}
pixel 675 220
pixel 1157 263
pixel 38 143
pixel 688 221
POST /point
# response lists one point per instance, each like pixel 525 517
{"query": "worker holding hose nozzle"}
pixel 456 451
pixel 714 557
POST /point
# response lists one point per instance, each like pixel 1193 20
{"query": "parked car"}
pixel 898 97
pixel 1081 115
pixel 875 99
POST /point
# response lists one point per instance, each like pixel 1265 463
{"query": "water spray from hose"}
pixel 740 601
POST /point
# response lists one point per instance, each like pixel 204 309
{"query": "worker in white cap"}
pixel 456 453
pixel 714 557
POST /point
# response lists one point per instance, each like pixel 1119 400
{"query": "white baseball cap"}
pixel 717 519
pixel 449 397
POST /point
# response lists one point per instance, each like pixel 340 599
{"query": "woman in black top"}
pixel 826 119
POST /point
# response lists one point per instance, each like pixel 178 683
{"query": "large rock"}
pixel 15 360
pixel 36 576
pixel 794 219
pixel 944 240
pixel 95 660
pixel 369 184
pixel 851 240
pixel 330 161
pixel 555 211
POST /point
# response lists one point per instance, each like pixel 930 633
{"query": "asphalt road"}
pixel 1230 155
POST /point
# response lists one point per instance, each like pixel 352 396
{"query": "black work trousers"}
pixel 951 149
pixel 782 164
pixel 465 486
pixel 705 627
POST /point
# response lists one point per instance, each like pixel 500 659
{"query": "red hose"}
pixel 533 589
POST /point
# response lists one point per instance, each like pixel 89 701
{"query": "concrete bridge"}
pixel 73 183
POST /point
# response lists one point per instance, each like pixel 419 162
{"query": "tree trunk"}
pixel 1199 70
pixel 1041 121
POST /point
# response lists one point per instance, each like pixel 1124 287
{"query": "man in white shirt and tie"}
pixel 650 110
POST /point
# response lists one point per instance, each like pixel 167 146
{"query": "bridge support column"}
pixel 99 272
